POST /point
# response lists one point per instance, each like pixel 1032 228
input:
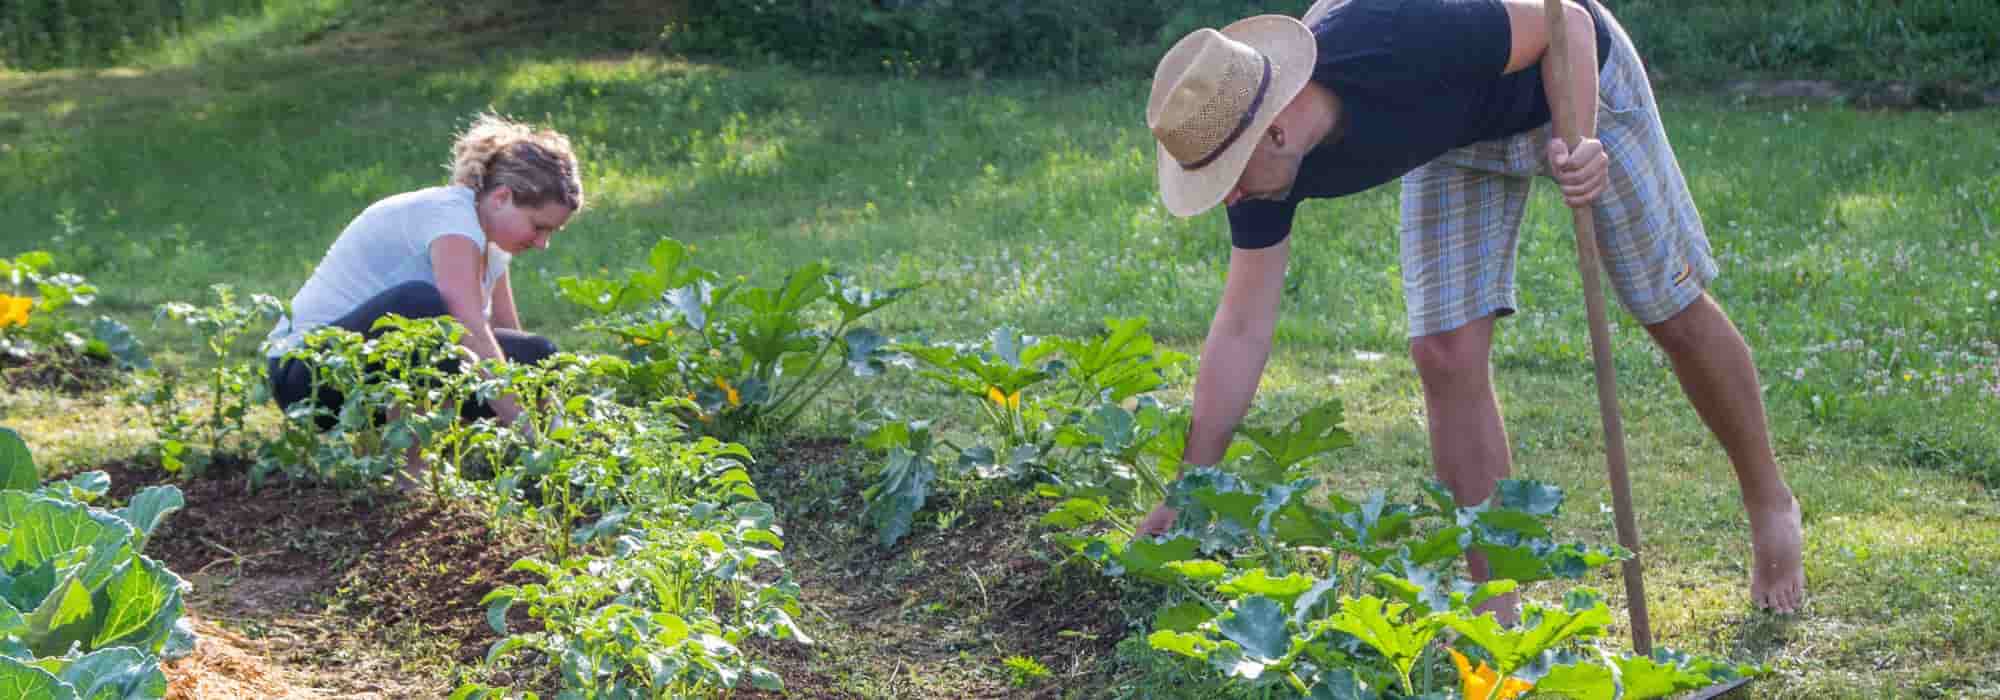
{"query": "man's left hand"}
pixel 1581 173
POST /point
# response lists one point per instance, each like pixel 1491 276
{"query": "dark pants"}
pixel 291 380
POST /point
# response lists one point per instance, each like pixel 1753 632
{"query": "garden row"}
pixel 660 561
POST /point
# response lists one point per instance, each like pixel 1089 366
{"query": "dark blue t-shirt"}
pixel 1416 78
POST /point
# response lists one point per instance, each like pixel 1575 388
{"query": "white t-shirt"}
pixel 387 245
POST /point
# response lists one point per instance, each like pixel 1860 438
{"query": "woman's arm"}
pixel 455 263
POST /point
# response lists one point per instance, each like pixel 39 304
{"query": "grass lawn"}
pixel 1859 252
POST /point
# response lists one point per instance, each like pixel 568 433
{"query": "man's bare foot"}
pixel 1777 573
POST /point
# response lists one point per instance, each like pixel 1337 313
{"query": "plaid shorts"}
pixel 1461 214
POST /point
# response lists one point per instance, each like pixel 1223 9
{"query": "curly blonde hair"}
pixel 537 164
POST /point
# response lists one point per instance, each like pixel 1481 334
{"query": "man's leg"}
pixel 1468 440
pixel 1715 370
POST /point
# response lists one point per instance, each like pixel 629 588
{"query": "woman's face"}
pixel 515 228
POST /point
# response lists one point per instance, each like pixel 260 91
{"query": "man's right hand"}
pixel 1158 522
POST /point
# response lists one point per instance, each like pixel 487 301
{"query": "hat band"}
pixel 1249 115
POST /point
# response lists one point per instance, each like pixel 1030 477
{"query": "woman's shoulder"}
pixel 445 196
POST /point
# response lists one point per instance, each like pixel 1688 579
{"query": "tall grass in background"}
pixel 41 34
pixel 1701 41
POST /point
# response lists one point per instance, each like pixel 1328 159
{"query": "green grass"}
pixel 1031 203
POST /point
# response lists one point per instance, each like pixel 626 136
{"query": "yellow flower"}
pixel 14 310
pixel 1477 684
pixel 1003 400
pixel 735 399
pixel 642 342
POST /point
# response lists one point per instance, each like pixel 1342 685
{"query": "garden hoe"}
pixel 1583 120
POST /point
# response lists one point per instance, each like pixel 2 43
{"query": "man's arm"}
pixel 1582 169
pixel 1232 360
pixel 1238 344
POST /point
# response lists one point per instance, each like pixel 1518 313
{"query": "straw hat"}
pixel 1214 94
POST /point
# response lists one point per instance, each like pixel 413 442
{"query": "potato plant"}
pixel 191 434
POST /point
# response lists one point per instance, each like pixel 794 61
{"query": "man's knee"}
pixel 1684 330
pixel 1453 358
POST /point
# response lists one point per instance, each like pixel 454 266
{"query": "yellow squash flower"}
pixel 728 391
pixel 1479 683
pixel 641 342
pixel 1003 400
pixel 14 310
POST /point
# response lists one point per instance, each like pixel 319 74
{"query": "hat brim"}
pixel 1292 51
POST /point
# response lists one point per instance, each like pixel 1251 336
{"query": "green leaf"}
pixel 1573 561
pixel 1183 643
pixel 1258 582
pixel 39 529
pixel 1302 609
pixel 1315 432
pixel 1184 617
pixel 1258 625
pixel 68 603
pixel 1670 672
pixel 1198 569
pixel 136 595
pixel 1148 559
pixel 1075 513
pixel 865 351
pixel 1379 624
pixel 894 501
pixel 20 681
pixel 1580 681
pixel 82 488
pixel 597 295
pixel 120 343
pixel 17 467
pixel 1531 497
pixel 496 611
pixel 1443 545
pixel 1541 629
pixel 1520 563
pixel 1441 496
pixel 150 507
pixel 1488 591
pixel 1341 684
pixel 763 679
pixel 1514 521
pixel 122 673
pixel 856 302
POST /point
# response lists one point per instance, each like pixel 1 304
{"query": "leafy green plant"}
pixel 748 357
pixel 1349 599
pixel 360 441
pixel 36 316
pixel 664 611
pixel 191 435
pixel 1025 672
pixel 82 613
pixel 1066 414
